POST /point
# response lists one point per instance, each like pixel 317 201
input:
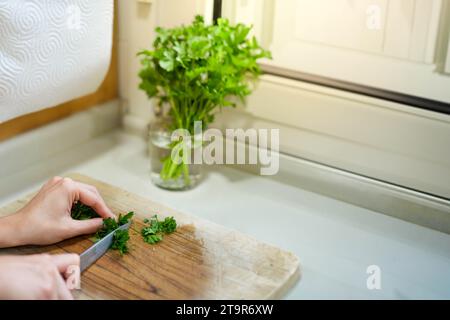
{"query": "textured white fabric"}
pixel 51 51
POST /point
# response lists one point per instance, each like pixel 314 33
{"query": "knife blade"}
pixel 98 249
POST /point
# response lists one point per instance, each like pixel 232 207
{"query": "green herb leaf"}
pixel 81 211
pixel 109 225
pixel 169 225
pixel 120 241
pixel 124 219
pixel 155 230
pixel 153 238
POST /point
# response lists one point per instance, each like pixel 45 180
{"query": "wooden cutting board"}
pixel 201 260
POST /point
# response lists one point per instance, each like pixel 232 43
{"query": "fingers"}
pixel 64 261
pixel 87 195
pixel 50 183
pixel 51 269
pixel 90 226
pixel 62 292
pixel 91 197
pixel 95 201
pixel 61 263
pixel 89 187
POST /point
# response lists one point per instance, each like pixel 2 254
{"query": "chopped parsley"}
pixel 121 237
pixel 83 212
pixel 152 233
pixel 156 229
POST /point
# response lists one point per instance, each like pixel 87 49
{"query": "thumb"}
pixel 90 226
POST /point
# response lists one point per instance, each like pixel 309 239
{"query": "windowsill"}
pixel 390 142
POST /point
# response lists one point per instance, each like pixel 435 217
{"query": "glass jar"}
pixel 164 173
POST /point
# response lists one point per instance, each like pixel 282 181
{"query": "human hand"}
pixel 36 277
pixel 46 219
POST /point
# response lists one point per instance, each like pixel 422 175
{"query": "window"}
pixel 400 46
pixel 352 84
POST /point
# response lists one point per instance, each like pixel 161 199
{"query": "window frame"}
pixel 442 65
pixel 352 87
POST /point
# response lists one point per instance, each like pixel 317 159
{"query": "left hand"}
pixel 46 219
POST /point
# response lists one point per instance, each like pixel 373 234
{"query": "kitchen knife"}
pixel 88 257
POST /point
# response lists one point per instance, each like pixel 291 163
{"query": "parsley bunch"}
pixel 109 224
pixel 81 211
pixel 196 70
pixel 155 230
pixel 120 241
pixel 121 237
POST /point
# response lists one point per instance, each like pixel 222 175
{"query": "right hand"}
pixel 35 277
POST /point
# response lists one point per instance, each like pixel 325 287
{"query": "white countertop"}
pixel 335 241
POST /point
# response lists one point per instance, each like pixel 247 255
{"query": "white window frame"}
pixel 372 137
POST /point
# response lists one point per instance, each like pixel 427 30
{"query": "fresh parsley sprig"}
pixel 81 211
pixel 121 237
pixel 120 241
pixel 153 233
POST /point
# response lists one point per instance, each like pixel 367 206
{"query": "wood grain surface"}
pixel 201 260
